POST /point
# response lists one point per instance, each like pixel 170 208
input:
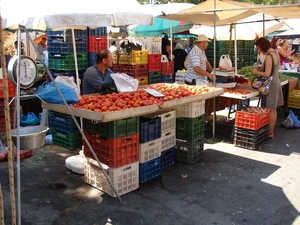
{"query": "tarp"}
pixel 161 25
pixel 69 14
pixel 290 34
pixel 246 29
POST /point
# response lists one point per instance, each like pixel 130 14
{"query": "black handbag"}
pixel 107 89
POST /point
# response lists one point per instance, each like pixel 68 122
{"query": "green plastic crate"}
pixel 71 141
pixel 154 77
pixel 190 129
pixel 66 61
pixel 113 129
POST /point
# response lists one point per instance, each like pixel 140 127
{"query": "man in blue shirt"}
pixel 98 74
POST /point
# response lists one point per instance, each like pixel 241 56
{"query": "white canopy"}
pixel 69 14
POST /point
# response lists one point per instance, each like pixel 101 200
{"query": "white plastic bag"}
pixel 201 82
pixel 69 81
pixel 124 82
pixel 225 62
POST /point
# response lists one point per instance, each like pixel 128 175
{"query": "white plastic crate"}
pixel 168 139
pixel 191 110
pixel 150 150
pixel 151 44
pixel 124 179
pixel 168 119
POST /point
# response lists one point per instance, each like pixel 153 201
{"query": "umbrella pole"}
pixel 75 60
pixel 214 99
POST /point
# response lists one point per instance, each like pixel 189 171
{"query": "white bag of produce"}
pixel 124 82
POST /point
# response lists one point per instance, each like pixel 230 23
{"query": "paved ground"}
pixel 228 186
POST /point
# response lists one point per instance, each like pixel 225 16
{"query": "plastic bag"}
pixel 262 84
pixel 225 62
pixel 48 93
pixel 69 81
pixel 201 82
pixel 29 120
pixel 124 82
pixel 296 122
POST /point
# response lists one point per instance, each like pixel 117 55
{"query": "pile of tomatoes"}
pixel 236 91
pixel 120 101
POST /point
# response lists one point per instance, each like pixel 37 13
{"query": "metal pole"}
pixel 214 99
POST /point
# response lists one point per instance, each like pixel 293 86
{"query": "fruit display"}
pixel 120 101
pixel 236 91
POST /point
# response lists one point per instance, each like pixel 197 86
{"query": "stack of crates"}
pixel 116 145
pixel 154 68
pixel 190 124
pixel 134 64
pixel 11 95
pixel 64 131
pixel 150 148
pixel 167 72
pixel 97 40
pixel 294 102
pixel 251 129
pixel 61 52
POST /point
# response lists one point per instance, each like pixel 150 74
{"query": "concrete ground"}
pixel 230 185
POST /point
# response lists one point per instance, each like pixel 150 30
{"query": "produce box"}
pixel 149 170
pixel 253 120
pixel 113 129
pixel 167 78
pixel 168 119
pixel 66 61
pixel 189 152
pixel 113 152
pixel 168 139
pixel 294 99
pixel 190 129
pixel 167 67
pixel 96 43
pixel 150 150
pixel 71 141
pixel 150 129
pixel 154 77
pixel 135 57
pixel 100 31
pixel 191 110
pixel 62 122
pixel 135 71
pixel 250 139
pixel 124 179
pixel 167 158
pixel 154 62
pixel 59 46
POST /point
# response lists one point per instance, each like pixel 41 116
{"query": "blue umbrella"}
pixel 159 26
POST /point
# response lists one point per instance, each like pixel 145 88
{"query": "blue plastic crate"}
pixel 150 129
pixel 189 152
pixel 149 170
pixel 67 34
pixel 100 31
pixel 62 122
pixel 167 158
pixel 92 58
pixel 58 45
pixel 68 73
pixel 167 78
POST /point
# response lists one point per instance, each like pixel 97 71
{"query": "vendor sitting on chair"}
pixel 98 74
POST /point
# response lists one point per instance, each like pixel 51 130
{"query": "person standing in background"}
pixel 284 51
pixel 42 47
pixel 198 66
pixel 270 68
pixel 167 51
pixel 22 48
pixel 113 48
pixel 180 55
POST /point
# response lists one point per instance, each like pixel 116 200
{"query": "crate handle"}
pixel 167 115
pixel 127 168
pixel 127 139
pixel 151 143
pixel 152 163
pixel 98 38
pixel 167 134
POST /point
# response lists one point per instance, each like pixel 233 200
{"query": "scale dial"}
pixel 28 71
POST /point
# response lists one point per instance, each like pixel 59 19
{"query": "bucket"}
pixel 31 137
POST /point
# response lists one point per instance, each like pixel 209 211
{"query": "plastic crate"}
pixel 190 129
pixel 100 31
pixel 191 110
pixel 294 99
pixel 168 119
pixel 92 58
pixel 124 179
pixel 149 170
pixel 62 122
pixel 150 150
pixel 11 89
pixel 252 121
pixel 142 80
pixel 154 77
pixel 168 139
pixel 150 129
pixel 96 43
pixel 167 158
pixel 3 123
pixel 113 129
pixel 67 62
pixel 11 107
pixel 135 57
pixel 167 78
pixel 68 73
pixel 135 71
pixel 67 34
pixel 154 62
pixel 281 114
pixel 59 46
pixel 189 152
pixel 114 152
pixel 71 141
pixel 250 139
pixel 167 67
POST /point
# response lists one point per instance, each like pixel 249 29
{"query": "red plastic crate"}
pixel 252 121
pixel 154 62
pixel 97 43
pixel 11 89
pixel 3 123
pixel 135 71
pixel 167 67
pixel 114 152
pixel 2 107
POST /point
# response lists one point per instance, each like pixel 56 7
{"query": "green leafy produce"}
pixel 246 71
